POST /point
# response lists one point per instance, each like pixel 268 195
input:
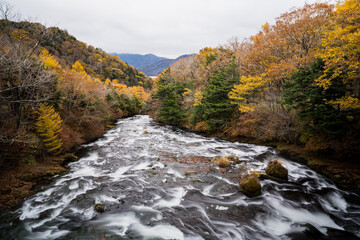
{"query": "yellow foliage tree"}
pixel 48 126
pixel 78 68
pixel 341 52
pixel 49 61
pixel 198 97
pixel 250 87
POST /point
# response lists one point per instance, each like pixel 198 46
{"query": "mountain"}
pixel 138 60
pixel 149 64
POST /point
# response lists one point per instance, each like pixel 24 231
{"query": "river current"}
pixel 157 182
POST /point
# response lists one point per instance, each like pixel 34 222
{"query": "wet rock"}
pixel 304 180
pixel 232 159
pixel 99 207
pixel 276 169
pixel 189 172
pixel 221 162
pixel 250 185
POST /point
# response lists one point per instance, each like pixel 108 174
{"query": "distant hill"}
pixel 149 64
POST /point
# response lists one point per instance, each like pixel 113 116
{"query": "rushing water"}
pixel 141 172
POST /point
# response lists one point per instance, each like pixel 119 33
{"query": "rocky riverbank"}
pixel 344 172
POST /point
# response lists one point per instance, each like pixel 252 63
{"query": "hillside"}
pixel 149 64
pixel 56 93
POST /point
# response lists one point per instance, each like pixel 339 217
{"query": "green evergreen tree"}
pixel 169 93
pixel 311 102
pixel 216 107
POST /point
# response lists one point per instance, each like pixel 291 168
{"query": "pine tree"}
pixel 216 106
pixel 48 126
pixel 170 95
pixel 312 103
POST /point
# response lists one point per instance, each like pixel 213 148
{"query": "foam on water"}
pixel 149 199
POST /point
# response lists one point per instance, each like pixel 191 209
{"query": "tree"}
pixel 276 52
pixel 48 126
pixel 24 82
pixel 169 93
pixel 216 106
pixel 341 52
pixel 249 88
pixel 311 103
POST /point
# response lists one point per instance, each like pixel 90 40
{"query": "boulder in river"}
pixel 99 207
pixel 250 185
pixel 276 169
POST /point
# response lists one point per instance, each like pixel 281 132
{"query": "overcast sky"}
pixel 167 28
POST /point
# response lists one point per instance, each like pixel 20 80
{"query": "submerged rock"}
pixel 276 169
pixel 250 185
pixel 99 207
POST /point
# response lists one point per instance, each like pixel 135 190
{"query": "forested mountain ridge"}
pixel 149 64
pixel 68 50
pixel 295 82
pixel 138 60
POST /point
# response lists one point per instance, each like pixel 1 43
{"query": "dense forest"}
pixel 57 93
pixel 295 81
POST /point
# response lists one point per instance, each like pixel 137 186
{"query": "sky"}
pixel 167 28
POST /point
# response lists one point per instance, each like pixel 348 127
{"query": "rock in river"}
pixel 250 185
pixel 276 169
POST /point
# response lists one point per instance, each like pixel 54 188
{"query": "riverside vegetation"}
pixel 295 84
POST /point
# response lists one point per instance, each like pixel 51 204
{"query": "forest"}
pixel 296 81
pixel 57 93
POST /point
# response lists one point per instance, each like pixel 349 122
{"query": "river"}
pixel 156 182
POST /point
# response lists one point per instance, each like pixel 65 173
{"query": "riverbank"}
pixel 19 180
pixel 345 173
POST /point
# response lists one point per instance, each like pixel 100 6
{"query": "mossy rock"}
pixel 250 186
pixel 221 162
pixel 232 159
pixel 276 169
pixel 99 207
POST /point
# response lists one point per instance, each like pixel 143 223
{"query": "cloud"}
pixel 164 27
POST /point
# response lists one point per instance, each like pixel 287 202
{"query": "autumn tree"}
pixel 24 82
pixel 340 51
pixel 48 126
pixel 278 50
